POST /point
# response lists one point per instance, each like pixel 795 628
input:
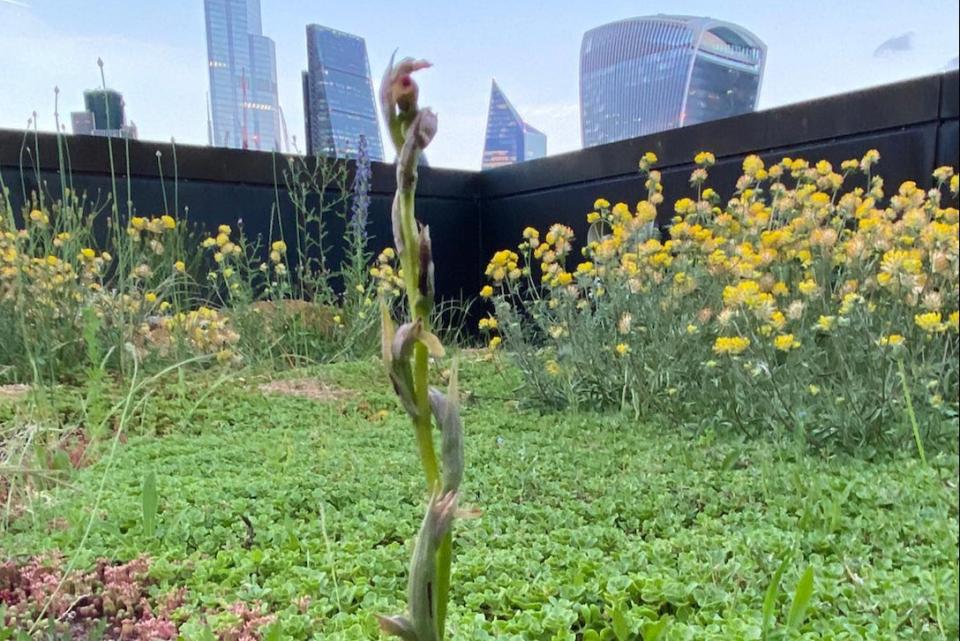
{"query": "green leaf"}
pixel 801 599
pixel 620 626
pixel 207 634
pixel 654 631
pixel 273 633
pixel 770 599
pixel 149 503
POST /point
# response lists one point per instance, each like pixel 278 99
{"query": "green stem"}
pixel 424 424
pixel 444 559
pixel 910 412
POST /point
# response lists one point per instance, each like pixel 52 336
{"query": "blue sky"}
pixel 155 53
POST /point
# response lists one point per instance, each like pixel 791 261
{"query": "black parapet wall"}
pixel 913 124
pixel 226 186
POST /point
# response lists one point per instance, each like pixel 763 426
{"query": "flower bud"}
pixel 398 95
pixel 426 282
pixel 446 410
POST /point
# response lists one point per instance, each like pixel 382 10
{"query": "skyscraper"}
pixel 643 75
pixel 509 139
pixel 244 108
pixel 104 115
pixel 338 105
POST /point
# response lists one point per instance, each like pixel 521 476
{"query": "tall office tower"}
pixel 104 115
pixel 244 108
pixel 509 139
pixel 643 75
pixel 338 104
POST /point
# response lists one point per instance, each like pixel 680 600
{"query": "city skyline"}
pixel 509 139
pixel 643 75
pixel 338 103
pixel 156 54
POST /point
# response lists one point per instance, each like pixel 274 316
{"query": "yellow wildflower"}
pixel 648 159
pixel 705 159
pixel 808 287
pixel 180 266
pixel 495 342
pixel 930 322
pixel 732 345
pixel 785 342
pixel 869 159
pixel 486 291
pixel 601 203
pixel 892 340
pixel 752 164
pixel 622 349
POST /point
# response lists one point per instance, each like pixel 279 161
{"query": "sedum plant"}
pixel 406 353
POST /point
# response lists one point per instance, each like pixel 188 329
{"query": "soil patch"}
pixel 14 392
pixel 311 388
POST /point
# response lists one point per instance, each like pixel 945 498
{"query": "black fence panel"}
pixel 913 124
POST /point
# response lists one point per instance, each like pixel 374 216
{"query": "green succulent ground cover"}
pixel 593 526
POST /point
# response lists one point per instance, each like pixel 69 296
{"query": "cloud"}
pixel 895 45
pixel 952 64
pixel 16 3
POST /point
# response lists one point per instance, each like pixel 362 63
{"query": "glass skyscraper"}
pixel 338 104
pixel 244 108
pixel 509 139
pixel 104 115
pixel 644 75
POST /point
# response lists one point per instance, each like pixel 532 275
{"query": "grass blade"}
pixel 770 599
pixel 149 503
pixel 801 599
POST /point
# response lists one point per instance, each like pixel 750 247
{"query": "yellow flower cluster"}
pixel 206 330
pixel 503 265
pixel 151 230
pixel 791 256
pixel 48 279
pixel 224 248
pixel 388 276
pixel 731 345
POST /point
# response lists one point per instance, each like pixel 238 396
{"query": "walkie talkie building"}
pixel 644 75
